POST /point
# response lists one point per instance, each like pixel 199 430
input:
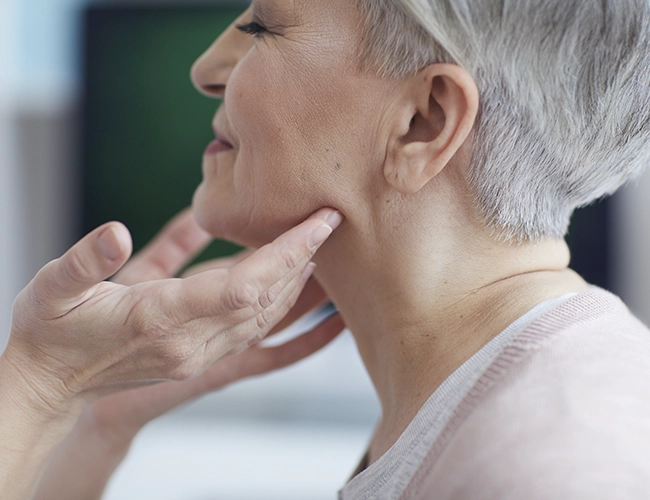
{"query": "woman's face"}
pixel 300 126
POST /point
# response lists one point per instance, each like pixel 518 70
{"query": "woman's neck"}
pixel 420 303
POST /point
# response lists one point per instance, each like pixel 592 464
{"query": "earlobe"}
pixel 445 98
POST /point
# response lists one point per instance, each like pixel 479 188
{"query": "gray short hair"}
pixel 564 86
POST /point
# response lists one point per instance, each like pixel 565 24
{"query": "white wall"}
pixel 10 264
pixel 37 110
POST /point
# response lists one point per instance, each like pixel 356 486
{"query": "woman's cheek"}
pixel 275 168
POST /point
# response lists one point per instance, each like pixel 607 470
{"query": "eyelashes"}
pixel 253 28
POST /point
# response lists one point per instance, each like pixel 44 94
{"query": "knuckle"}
pixel 155 330
pixel 75 268
pixel 291 258
pixel 168 300
pixel 176 361
pixel 241 295
pixel 271 316
pixel 269 297
pixel 265 318
pixel 153 319
pixel 150 324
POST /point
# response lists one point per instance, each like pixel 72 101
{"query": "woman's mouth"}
pixel 219 145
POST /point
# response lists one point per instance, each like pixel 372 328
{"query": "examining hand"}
pixel 75 337
pixel 105 430
pixel 126 412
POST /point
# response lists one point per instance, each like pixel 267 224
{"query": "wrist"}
pixel 30 429
pixel 37 397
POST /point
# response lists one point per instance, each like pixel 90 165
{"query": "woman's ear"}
pixel 442 108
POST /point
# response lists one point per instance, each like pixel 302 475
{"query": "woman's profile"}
pixel 456 138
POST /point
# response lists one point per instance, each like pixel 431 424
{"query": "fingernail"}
pixel 320 235
pixel 109 245
pixel 306 274
pixel 334 219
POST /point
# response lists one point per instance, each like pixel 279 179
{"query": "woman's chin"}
pixel 226 224
pixel 215 220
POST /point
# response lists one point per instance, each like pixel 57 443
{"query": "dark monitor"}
pixel 145 127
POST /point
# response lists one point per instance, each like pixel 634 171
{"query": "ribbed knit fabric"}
pixel 561 412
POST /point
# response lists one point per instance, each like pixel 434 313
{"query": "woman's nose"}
pixel 211 71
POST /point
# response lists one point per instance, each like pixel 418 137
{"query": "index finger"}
pixel 247 284
pixel 288 254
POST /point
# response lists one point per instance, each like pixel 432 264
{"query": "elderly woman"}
pixel 456 137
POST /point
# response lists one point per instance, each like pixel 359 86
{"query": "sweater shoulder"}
pixel 566 403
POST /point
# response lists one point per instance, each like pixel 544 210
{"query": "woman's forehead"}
pixel 285 7
pixel 295 11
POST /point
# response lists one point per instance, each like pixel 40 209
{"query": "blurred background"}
pixel 99 121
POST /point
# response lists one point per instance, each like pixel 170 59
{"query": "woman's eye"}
pixel 253 28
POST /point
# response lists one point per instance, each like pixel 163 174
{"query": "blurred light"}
pixel 44 49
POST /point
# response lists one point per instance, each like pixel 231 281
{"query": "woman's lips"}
pixel 217 146
pixel 220 144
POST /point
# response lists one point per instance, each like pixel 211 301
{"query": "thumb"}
pixel 95 258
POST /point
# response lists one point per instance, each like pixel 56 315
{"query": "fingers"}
pixel 178 242
pixel 158 399
pixel 95 258
pixel 245 331
pixel 328 215
pixel 256 360
pixel 287 256
pixel 258 281
pixel 243 303
pixel 311 297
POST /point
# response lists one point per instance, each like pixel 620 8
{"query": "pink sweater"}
pixel 562 413
pixel 556 407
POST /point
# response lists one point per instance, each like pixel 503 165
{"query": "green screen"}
pixel 145 127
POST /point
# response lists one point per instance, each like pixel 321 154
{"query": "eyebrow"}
pixel 268 12
pixel 262 9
